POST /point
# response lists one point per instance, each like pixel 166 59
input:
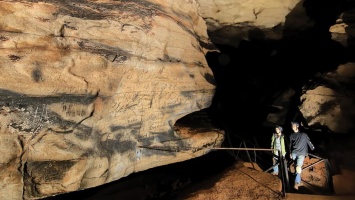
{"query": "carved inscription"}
pixel 157 125
pixel 71 111
pixel 40 114
pixel 152 80
pixel 96 165
pixel 170 99
pixel 124 102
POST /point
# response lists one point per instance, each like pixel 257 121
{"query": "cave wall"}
pixel 301 69
pixel 272 57
pixel 90 91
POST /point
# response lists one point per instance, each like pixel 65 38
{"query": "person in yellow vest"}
pixel 277 143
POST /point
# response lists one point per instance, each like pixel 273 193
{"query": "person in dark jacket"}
pixel 299 143
pixel 277 143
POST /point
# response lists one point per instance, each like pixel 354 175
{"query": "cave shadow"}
pixel 249 76
pixel 159 183
pixel 348 17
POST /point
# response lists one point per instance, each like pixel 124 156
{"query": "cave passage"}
pixel 249 79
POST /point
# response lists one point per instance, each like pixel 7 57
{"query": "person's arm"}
pixel 287 143
pixel 283 146
pixel 272 142
pixel 310 144
pixel 291 139
pixel 290 145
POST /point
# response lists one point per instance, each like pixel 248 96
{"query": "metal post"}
pixel 249 155
pixel 284 163
pixel 236 157
pixel 230 143
pixel 329 176
pixel 254 156
pixel 280 161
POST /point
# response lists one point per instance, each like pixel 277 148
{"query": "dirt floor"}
pixel 218 176
pixel 241 181
pixel 246 181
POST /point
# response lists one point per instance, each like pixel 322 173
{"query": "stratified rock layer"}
pixel 230 21
pixel 90 91
pixel 331 104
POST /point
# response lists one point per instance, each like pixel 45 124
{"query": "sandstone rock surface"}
pixel 231 21
pixel 331 102
pixel 85 85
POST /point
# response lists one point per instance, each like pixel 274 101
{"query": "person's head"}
pixel 278 129
pixel 294 126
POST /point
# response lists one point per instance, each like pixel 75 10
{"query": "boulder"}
pixel 90 91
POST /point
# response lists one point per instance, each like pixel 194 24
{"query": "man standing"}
pixel 299 150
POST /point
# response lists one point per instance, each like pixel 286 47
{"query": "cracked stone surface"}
pixel 86 84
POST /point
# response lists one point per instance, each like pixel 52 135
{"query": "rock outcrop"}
pixel 231 21
pixel 330 104
pixel 90 91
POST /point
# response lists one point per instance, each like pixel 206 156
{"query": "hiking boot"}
pixel 297 185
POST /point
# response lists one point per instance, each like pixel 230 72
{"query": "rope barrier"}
pixel 258 149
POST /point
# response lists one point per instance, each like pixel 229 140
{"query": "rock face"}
pixel 231 21
pixel 331 104
pixel 90 91
pixel 330 23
